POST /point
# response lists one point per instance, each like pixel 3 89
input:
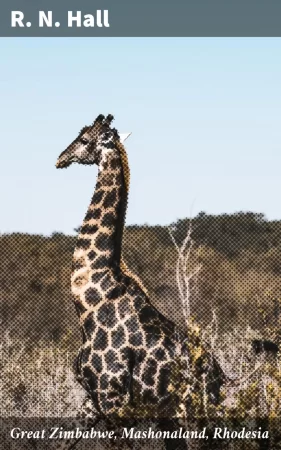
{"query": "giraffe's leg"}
pixel 86 418
pixel 172 425
pixel 117 424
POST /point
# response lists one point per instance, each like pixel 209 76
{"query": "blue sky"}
pixel 205 117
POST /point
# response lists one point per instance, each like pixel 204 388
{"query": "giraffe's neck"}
pixel 99 242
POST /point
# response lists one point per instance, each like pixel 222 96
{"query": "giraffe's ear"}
pixel 124 136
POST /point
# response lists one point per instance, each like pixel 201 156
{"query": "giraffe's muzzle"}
pixel 64 160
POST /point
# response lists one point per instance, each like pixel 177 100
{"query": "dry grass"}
pixel 37 381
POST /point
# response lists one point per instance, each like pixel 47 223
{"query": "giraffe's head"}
pixel 90 144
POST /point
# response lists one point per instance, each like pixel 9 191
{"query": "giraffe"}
pixel 129 349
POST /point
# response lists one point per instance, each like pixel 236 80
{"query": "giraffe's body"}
pixel 130 351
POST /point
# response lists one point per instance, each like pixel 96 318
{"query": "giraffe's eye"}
pixel 84 141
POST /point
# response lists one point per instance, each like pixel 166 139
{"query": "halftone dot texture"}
pixel 189 333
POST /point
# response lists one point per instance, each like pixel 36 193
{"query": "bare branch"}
pixel 183 278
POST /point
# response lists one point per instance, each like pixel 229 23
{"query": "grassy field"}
pixel 233 273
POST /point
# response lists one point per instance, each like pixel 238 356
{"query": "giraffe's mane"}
pixel 125 163
pixel 132 275
pixel 126 171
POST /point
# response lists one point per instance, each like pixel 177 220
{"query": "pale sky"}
pixel 205 117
